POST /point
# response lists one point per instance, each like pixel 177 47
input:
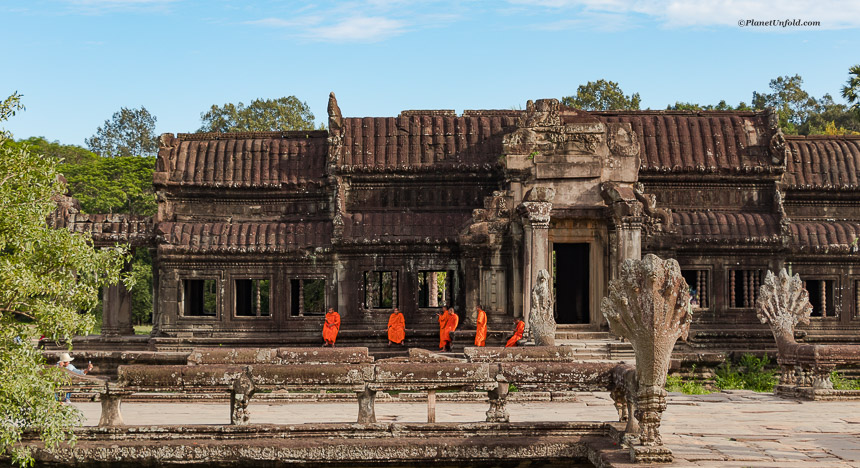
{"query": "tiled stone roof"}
pixel 823 162
pixel 258 159
pixel 816 236
pixel 425 139
pixel 735 227
pixel 244 237
pixel 707 142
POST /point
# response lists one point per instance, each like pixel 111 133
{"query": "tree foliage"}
pixel 798 111
pixel 47 278
pixel 792 103
pixel 721 106
pixel 602 95
pixel 851 90
pixel 113 185
pixel 282 114
pixel 130 132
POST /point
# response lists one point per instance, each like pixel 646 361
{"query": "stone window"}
pixel 744 288
pixel 821 297
pixel 857 299
pixel 380 289
pixel 199 297
pixel 308 296
pixel 252 297
pixel 699 285
pixel 434 288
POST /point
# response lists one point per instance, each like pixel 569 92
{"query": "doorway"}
pixel 571 285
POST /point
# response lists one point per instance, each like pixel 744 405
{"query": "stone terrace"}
pixel 729 429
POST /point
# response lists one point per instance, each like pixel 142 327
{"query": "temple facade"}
pixel 257 234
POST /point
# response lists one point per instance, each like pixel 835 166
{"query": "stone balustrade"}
pixel 243 372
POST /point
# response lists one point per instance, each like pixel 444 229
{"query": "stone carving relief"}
pixel 541 321
pixel 649 304
pixel 488 224
pixel 622 140
pixel 783 303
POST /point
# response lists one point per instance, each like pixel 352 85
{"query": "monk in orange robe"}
pixel 481 332
pixel 518 334
pixel 331 327
pixel 444 334
pixel 396 328
pixel 453 321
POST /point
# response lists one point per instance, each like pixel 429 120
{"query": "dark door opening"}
pixel 571 283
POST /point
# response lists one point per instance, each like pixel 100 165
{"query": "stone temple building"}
pixel 257 234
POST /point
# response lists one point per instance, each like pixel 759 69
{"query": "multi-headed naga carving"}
pixel 649 304
pixel 782 303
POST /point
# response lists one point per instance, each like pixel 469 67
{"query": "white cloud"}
pixel 366 29
pixel 833 14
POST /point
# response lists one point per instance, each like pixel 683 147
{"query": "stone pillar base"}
pixel 366 406
pixel 643 454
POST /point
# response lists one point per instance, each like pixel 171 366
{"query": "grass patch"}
pixel 749 374
pixel 143 329
pixel 842 383
pixel 675 383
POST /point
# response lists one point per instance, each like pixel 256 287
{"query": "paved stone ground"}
pixel 729 429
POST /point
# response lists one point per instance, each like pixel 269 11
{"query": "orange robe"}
pixel 481 333
pixel 331 327
pixel 453 321
pixel 396 328
pixel 518 335
pixel 444 332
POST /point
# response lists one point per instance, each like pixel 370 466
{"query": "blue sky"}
pixel 78 61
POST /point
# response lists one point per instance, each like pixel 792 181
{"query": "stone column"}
pixel 116 310
pixel 366 406
pixel 433 289
pixel 498 397
pixel 111 415
pixel 536 217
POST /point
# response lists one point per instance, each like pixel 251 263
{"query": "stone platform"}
pixel 729 429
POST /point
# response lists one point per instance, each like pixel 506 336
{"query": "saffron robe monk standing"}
pixel 331 327
pixel 517 336
pixel 396 328
pixel 481 332
pixel 448 322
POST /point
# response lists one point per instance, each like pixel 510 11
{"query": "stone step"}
pixel 581 335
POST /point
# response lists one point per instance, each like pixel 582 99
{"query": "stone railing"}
pixel 805 368
pixel 243 372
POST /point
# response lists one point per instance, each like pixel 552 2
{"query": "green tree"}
pixel 602 95
pixel 793 104
pixel 721 106
pixel 829 113
pixel 121 184
pixel 47 278
pixel 851 90
pixel 130 132
pixel 284 114
pixel 68 154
